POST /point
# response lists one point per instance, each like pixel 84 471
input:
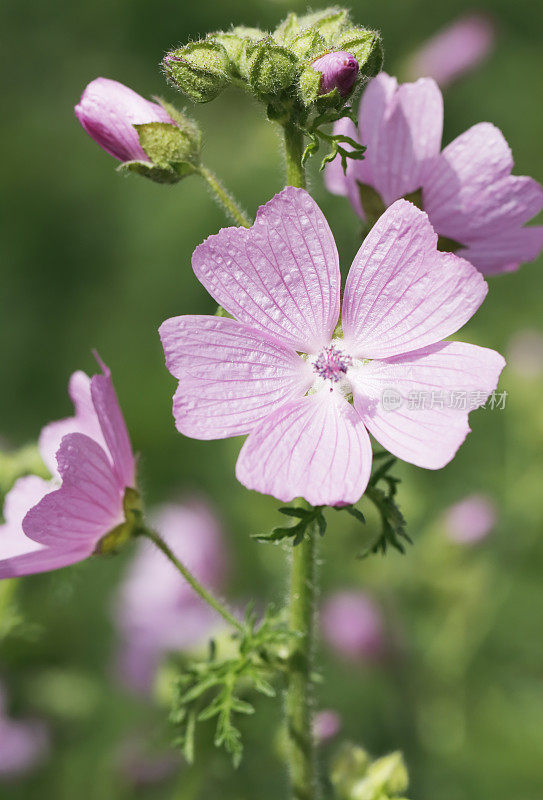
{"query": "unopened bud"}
pixel 199 69
pixel 269 68
pixel 366 46
pixel 338 70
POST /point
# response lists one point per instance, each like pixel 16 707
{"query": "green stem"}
pixel 294 148
pixel 189 577
pixel 298 706
pixel 224 198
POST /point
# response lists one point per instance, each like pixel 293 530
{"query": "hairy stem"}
pixel 224 198
pixel 294 148
pixel 298 705
pixel 206 596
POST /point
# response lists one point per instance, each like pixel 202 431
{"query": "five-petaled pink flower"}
pixel 282 372
pixel 90 458
pixel 108 111
pixel 468 191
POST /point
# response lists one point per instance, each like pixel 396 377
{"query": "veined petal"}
pixel 470 194
pixel 89 503
pixel 401 293
pixel 42 559
pixel 230 375
pixel 24 494
pixel 113 427
pixel 402 129
pixel 417 405
pixel 505 251
pixel 280 276
pixel 315 447
pixel 83 421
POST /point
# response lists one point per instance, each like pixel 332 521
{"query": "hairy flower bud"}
pixel 366 46
pixel 199 69
pixel 269 68
pixel 338 71
pixel 108 111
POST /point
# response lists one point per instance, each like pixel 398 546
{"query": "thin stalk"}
pixel 294 148
pixel 206 596
pixel 298 703
pixel 224 198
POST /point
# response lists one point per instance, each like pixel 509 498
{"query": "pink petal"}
pixel 505 251
pixel 429 436
pixel 84 421
pixel 315 447
pixel 230 376
pixel 86 507
pixel 402 129
pixel 113 427
pixel 108 111
pixel 25 493
pixel 401 294
pixel 43 560
pixel 469 193
pixel 280 276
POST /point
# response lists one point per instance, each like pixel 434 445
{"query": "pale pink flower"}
pixel 157 611
pixel 352 625
pixel 280 372
pixel 471 519
pixel 468 191
pixel 456 49
pixel 339 70
pixel 108 111
pixel 525 353
pixel 23 743
pixel 90 458
pixel 326 725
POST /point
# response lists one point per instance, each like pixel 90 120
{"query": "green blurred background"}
pixel 90 259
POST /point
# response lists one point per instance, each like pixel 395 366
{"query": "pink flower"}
pixel 90 458
pixel 339 71
pixel 326 725
pixel 280 372
pixel 454 50
pixel 108 111
pixel 352 625
pixel 525 353
pixel 471 519
pixel 157 611
pixel 23 744
pixel 468 191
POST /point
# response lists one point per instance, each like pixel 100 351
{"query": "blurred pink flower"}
pixel 339 71
pixel 468 191
pixel 525 353
pixel 23 744
pixel 280 279
pixel 326 725
pixel 471 519
pixel 90 458
pixel 108 111
pixel 454 50
pixel 156 610
pixel 352 625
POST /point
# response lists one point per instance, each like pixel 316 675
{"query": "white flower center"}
pixel 331 367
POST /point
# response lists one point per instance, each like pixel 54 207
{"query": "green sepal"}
pixel 309 85
pixel 366 46
pixel 234 42
pixel 199 69
pixel 158 174
pixel 113 541
pixel 329 22
pixel 167 145
pixel 308 44
pixel 269 68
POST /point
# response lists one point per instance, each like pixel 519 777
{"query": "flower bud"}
pixel 338 71
pixel 234 42
pixel 199 69
pixel 366 46
pixel 269 68
pixel 108 111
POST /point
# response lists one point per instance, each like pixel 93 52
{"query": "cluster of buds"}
pixel 152 139
pixel 316 61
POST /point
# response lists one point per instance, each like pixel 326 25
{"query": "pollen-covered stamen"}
pixel 331 363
